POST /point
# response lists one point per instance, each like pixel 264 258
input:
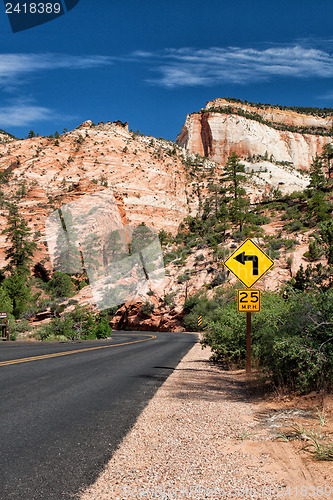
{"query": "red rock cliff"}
pixel 223 127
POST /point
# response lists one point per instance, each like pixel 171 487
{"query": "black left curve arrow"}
pixel 242 258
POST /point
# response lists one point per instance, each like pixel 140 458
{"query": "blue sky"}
pixel 151 62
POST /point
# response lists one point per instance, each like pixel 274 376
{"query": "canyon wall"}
pixel 146 176
pixel 217 134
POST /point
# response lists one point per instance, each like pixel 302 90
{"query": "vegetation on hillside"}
pixel 252 115
pixel 10 136
pixel 291 337
pixel 23 293
pixel 306 110
pixel 293 333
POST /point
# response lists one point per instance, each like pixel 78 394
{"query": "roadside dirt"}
pixel 286 429
pixel 213 434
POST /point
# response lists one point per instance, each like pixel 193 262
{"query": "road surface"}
pixel 66 406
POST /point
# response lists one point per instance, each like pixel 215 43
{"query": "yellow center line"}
pixel 65 353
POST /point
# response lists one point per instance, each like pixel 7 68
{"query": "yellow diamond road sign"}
pixel 248 263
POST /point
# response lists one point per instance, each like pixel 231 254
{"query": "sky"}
pixel 152 62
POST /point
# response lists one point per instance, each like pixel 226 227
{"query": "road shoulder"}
pixel 201 437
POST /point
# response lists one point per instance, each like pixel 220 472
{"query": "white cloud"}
pixel 13 66
pixel 189 66
pixel 22 114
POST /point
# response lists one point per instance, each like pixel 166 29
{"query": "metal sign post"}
pixel 248 342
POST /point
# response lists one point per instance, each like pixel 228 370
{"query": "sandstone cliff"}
pixel 281 135
pixel 147 175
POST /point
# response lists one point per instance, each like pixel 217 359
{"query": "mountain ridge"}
pixel 221 128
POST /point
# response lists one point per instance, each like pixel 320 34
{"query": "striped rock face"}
pixel 271 133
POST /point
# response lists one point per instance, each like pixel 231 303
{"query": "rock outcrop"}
pixel 5 137
pixel 148 182
pixel 223 127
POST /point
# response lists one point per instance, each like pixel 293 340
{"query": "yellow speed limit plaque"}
pixel 248 300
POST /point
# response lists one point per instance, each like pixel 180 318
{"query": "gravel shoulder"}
pixel 207 434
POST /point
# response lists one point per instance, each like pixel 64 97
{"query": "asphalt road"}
pixel 63 416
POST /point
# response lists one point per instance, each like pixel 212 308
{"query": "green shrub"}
pixel 102 329
pixel 199 305
pixel 183 277
pixel 299 353
pixel 290 243
pixel 292 213
pixel 60 285
pixel 78 324
pixel 147 308
pixel 219 279
pixel 315 251
pixel 169 300
pixel 241 235
pixel 293 226
pixel 259 219
pixel 292 338
pixel 15 328
pixel 58 327
pixel 227 336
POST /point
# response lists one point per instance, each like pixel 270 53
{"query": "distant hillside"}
pixel 6 136
pixel 306 110
pixel 283 134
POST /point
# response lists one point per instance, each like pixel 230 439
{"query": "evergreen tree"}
pixel 318 180
pixel 21 248
pixel 234 178
pixel 328 156
pixel 18 288
pixel 319 209
pixel 60 285
pixel 19 255
pixel 326 232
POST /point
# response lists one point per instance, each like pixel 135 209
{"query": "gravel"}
pixel 187 442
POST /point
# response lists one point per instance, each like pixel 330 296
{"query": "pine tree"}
pixel 142 238
pixel 326 233
pixel 318 180
pixel 19 253
pixel 234 178
pixel 328 156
